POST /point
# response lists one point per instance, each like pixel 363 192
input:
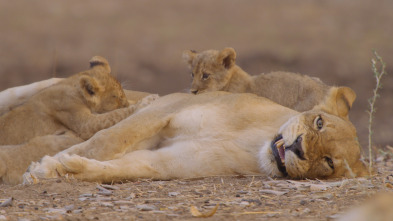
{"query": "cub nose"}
pixel 194 91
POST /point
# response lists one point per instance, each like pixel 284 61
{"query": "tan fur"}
pixel 13 97
pixel 215 133
pixel 15 159
pixel 82 105
pixel 214 70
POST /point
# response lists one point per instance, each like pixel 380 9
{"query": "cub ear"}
pixel 89 86
pixel 227 57
pixel 100 62
pixel 188 56
pixel 339 101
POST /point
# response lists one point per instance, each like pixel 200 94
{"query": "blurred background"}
pixel 144 39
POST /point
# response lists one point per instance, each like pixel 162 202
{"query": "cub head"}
pixel 320 143
pixel 100 90
pixel 211 70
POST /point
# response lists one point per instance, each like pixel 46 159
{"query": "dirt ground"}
pixel 237 197
pixel 144 39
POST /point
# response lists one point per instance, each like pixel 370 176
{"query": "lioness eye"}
pixel 329 162
pixel 319 123
pixel 205 76
pixel 192 75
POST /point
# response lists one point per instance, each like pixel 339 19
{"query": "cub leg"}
pixel 86 124
pixel 15 159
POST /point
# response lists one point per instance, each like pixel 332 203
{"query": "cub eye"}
pixel 205 76
pixel 192 75
pixel 329 161
pixel 319 122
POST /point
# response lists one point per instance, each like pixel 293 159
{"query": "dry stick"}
pixel 378 75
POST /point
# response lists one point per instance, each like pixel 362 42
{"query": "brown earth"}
pixel 237 197
pixel 143 40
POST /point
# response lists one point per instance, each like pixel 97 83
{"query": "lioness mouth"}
pixel 278 149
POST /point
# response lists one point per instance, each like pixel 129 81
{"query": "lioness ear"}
pixel 89 86
pixel 188 56
pixel 100 62
pixel 339 101
pixel 344 99
pixel 227 57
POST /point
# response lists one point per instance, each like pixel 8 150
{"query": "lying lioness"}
pixel 216 133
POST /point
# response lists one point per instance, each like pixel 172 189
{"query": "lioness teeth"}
pixel 281 149
pixel 279 143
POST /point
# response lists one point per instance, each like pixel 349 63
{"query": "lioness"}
pixel 60 116
pixel 214 70
pixel 215 133
pixel 12 97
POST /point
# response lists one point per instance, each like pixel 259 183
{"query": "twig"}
pixel 378 75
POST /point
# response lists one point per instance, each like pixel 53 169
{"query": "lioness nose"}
pixel 194 91
pixel 296 147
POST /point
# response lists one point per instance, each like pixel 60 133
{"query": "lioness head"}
pixel 210 70
pixel 320 143
pixel 315 144
pixel 100 90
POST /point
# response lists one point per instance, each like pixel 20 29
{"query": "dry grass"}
pixel 378 68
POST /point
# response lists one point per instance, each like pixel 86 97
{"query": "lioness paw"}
pixel 72 164
pixel 49 167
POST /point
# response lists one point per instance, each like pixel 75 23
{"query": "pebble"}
pixel 173 193
pixel 145 207
pixel 2 217
pixel 244 203
pixel 106 204
pixel 306 211
pixel 274 192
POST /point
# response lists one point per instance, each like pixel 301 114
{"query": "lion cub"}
pixel 214 70
pixel 60 116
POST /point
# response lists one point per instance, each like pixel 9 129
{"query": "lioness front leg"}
pixel 182 160
pixel 107 144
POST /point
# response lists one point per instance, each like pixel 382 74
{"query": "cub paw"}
pixel 147 100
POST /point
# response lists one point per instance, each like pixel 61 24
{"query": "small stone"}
pixel 306 211
pixel 77 211
pixel 303 202
pixel 244 203
pixel 145 207
pixel 106 204
pixel 173 193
